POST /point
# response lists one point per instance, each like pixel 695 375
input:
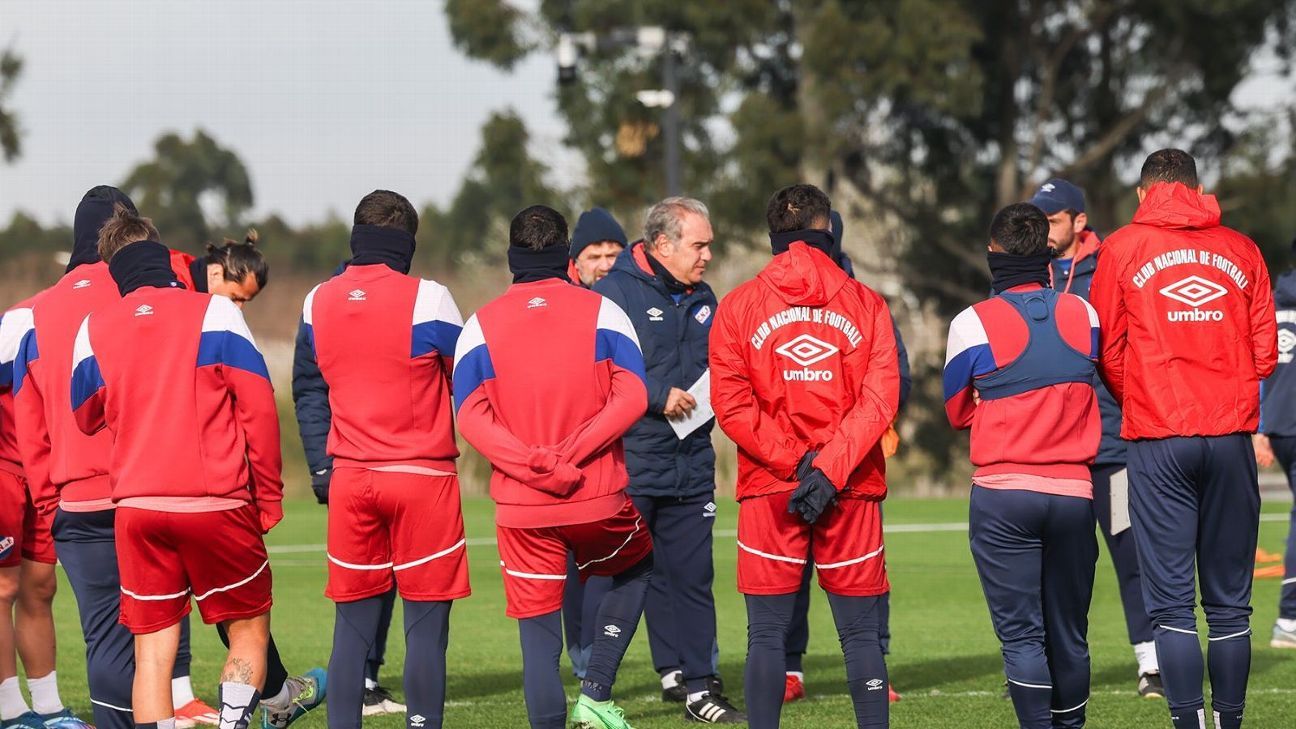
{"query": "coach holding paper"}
pixel 658 282
pixel 1188 331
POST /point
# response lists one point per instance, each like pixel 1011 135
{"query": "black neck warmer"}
pixel 1007 270
pixel 198 271
pixel 141 264
pixel 529 265
pixel 673 285
pixel 821 239
pixel 392 247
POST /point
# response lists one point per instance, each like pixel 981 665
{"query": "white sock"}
pixel 371 684
pixel 800 676
pixel 12 704
pixel 236 703
pixel 280 700
pixel 181 691
pixel 1288 624
pixel 168 723
pixel 697 696
pixel 1146 655
pixel 44 694
pixel 672 679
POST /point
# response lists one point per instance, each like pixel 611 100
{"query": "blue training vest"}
pixel 1047 359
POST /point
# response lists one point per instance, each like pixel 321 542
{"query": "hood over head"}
pixel 94 210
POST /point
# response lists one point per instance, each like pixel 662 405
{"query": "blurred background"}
pixel 919 118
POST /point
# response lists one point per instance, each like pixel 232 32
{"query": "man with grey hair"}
pixel 658 282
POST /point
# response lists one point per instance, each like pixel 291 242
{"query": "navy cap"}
pixel 595 226
pixel 1057 195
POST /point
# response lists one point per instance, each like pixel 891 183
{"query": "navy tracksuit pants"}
pixel 581 602
pixel 1284 447
pixel 1124 556
pixel 1195 507
pixel 1035 554
pixel 680 609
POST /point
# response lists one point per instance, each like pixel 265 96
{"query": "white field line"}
pixel 933 528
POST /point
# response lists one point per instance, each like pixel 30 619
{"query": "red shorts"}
pixel 24 534
pixel 534 561
pixel 165 556
pixel 386 526
pixel 845 544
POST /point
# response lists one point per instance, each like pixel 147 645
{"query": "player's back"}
pixel 161 355
pixel 384 342
pixel 57 316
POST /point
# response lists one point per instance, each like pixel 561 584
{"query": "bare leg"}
pixel 154 658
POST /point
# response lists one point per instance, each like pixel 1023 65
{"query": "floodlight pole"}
pixel 671 119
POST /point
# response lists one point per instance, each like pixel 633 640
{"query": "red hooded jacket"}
pixel 1187 319
pixel 803 358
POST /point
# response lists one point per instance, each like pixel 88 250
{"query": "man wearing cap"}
pixel 596 242
pixel 1075 258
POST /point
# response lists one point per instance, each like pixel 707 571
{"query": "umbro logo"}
pixel 356 295
pixel 611 631
pixel 805 350
pixel 83 283
pixel 1286 343
pixel 876 684
pixel 1047 187
pixel 417 720
pixel 654 314
pixel 709 511
pixel 1194 291
pixel 537 303
pixel 144 310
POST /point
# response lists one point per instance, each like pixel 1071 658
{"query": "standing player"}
pixel 384 342
pixel 233 269
pixel 206 472
pixel 27 577
pixel 67 471
pixel 1188 333
pixel 1076 253
pixel 804 380
pixel 798 637
pixel 1024 358
pixel 547 378
pixel 1277 438
pixel 658 283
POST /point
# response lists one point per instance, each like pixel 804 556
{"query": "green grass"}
pixel 945 660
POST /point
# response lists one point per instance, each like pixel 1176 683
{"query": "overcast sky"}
pixel 323 100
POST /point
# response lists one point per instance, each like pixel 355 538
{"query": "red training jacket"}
pixel 547 378
pixel 178 379
pixel 14 325
pixel 1187 319
pixel 803 358
pixel 385 344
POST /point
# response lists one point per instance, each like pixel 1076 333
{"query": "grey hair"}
pixel 667 218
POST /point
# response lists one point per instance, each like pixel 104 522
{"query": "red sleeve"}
pixel 625 404
pixel 1264 321
pixel 875 405
pixel 1113 325
pixel 34 438
pixel 507 454
pixel 761 437
pixel 255 411
pixel 180 267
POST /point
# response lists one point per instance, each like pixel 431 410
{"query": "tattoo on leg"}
pixel 237 670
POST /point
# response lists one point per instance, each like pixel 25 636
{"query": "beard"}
pixel 1063 247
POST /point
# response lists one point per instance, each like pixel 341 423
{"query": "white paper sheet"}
pixel 1120 518
pixel 702 414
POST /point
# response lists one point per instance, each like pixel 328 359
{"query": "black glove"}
pixel 806 464
pixel 813 496
pixel 320 484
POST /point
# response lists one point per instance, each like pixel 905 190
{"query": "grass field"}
pixel 945 660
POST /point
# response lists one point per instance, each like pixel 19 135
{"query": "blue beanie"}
pixel 594 226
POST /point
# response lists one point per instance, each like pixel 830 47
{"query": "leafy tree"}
pixel 503 179
pixel 185 176
pixel 10 69
pixel 927 113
